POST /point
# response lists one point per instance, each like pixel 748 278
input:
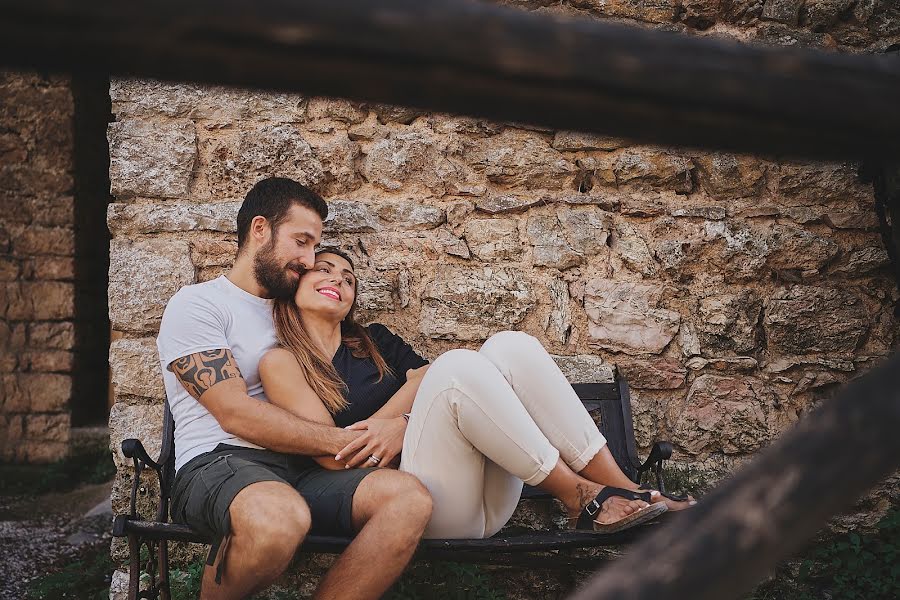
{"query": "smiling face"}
pixel 329 288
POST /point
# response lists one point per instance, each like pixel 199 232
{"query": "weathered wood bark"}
pixel 483 60
pixel 773 506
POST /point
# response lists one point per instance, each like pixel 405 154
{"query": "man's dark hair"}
pixel 272 198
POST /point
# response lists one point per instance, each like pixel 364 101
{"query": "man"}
pixel 243 472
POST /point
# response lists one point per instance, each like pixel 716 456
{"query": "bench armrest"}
pixel 660 452
pixel 135 450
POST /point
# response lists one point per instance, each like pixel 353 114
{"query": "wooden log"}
pixel 772 507
pixel 478 59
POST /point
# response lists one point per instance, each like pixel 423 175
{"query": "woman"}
pixel 472 426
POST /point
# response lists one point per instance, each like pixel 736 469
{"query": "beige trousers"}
pixel 483 422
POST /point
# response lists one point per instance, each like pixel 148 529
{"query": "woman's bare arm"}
pixel 402 400
pixel 286 387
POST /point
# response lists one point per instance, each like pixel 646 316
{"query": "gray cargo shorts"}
pixel 206 485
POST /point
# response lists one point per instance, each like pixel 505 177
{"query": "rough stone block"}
pixel 721 414
pixel 729 322
pixel 585 368
pixel 701 14
pixel 347 216
pixel 863 261
pixel 741 250
pixel 213 253
pixel 377 292
pixel 651 11
pixel 51 336
pixel 58 241
pixel 587 228
pixel 149 98
pixel 151 159
pixel 9 268
pixel 389 113
pixel 630 246
pixel 235 162
pixel 493 239
pixel 33 181
pixel 36 392
pixel 647 168
pixel 37 300
pixel 338 155
pixel 866 219
pixel 135 368
pixel 48 427
pixel 816 183
pixel 653 373
pixel 47 361
pixel 782 11
pixel 411 215
pixel 337 109
pixel 49 268
pixel 143 275
pixel 414 157
pixel 576 140
pixel 807 319
pixel 135 421
pixel 558 323
pixel 551 249
pixel 798 249
pixel 452 244
pixel 495 204
pixel 521 159
pixel 131 219
pixel 464 304
pixel 623 316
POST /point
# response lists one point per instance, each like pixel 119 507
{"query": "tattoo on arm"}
pixel 200 371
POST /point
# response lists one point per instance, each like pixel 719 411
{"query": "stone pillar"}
pixel 37 293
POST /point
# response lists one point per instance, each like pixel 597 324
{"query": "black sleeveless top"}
pixel 364 393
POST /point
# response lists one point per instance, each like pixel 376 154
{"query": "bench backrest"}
pixel 612 400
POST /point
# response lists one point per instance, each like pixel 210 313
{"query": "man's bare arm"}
pixel 213 378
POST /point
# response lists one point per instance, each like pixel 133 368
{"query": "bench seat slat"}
pixel 527 541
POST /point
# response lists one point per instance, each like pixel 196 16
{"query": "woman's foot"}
pixel 672 503
pixel 613 509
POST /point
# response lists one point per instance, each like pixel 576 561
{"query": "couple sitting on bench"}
pixel 356 434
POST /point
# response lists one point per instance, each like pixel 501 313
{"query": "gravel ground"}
pixel 39 535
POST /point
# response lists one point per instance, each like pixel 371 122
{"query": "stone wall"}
pixel 733 292
pixel 37 272
pixel 54 258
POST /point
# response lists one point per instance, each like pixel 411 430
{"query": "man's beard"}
pixel 273 277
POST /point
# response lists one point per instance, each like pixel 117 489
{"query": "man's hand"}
pixel 382 438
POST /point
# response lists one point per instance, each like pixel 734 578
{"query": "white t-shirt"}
pixel 209 316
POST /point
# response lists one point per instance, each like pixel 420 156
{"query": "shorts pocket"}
pixel 215 473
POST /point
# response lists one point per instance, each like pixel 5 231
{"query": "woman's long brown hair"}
pixel 320 373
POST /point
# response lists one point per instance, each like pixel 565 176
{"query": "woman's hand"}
pixel 382 438
pixel 416 374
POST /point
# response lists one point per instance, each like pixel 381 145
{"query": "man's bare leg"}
pixel 604 469
pixel 390 511
pixel 269 520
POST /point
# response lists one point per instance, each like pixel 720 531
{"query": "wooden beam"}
pixel 483 60
pixel 772 507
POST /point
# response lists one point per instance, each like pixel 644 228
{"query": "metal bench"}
pixel 611 400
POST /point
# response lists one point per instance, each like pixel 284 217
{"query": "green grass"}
pixel 850 566
pixel 85 579
pixel 446 580
pixel 91 466
pixel 438 581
